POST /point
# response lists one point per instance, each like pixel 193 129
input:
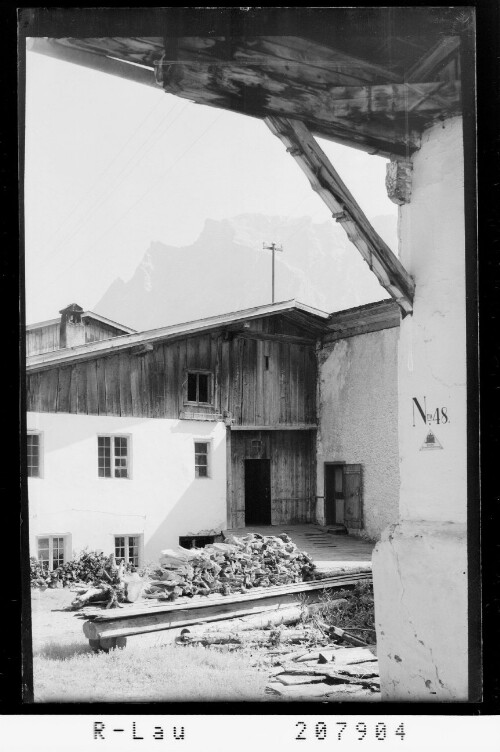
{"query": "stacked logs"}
pixel 88 567
pixel 235 566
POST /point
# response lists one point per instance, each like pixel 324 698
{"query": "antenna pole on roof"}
pixel 272 247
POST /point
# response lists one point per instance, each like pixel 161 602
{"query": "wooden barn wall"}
pixel 97 330
pixel 126 383
pixel 292 473
pixel 44 339
pixel 152 384
pixel 272 382
pixel 47 338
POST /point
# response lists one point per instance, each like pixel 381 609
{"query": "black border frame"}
pixel 482 290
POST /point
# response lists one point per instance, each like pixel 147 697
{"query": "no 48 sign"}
pixel 437 415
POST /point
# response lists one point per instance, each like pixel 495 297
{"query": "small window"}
pixel 199 388
pixel 113 457
pixel 51 552
pixel 201 454
pixel 34 458
pixel 127 549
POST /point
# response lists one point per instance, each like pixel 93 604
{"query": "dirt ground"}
pixel 50 623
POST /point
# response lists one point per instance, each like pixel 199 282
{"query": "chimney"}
pixel 72 328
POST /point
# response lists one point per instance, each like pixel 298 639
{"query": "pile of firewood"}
pixel 235 566
pixel 88 567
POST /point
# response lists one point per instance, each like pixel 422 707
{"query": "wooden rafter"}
pixel 89 58
pixel 262 92
pixel 327 183
pixel 433 59
pixel 341 97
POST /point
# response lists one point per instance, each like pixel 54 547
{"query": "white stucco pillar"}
pixel 420 564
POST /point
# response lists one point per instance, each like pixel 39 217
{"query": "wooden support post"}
pixel 327 183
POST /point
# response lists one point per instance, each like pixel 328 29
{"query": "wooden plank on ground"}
pixel 257 594
pixel 158 620
pixel 309 690
pixel 290 679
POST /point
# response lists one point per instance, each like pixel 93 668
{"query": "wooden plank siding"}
pixel 254 381
pixel 95 331
pixel 291 454
pixel 42 339
pixel 47 338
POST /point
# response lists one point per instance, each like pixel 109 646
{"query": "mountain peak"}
pixel 227 269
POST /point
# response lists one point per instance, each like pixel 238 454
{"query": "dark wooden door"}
pixel 353 498
pixel 257 492
pixel 334 495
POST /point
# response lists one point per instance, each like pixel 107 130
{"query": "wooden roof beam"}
pixel 91 59
pixel 433 59
pixel 253 91
pixel 324 179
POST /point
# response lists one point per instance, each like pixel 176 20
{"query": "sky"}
pixel 112 165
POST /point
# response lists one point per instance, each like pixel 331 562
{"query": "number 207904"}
pixel 339 730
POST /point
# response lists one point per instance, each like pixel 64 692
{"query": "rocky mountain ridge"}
pixel 226 269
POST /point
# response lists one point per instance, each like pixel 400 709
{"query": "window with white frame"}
pixel 202 459
pixel 51 551
pixel 113 456
pixel 34 454
pixel 127 549
pixel 199 388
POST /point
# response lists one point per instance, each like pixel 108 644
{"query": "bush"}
pixel 39 577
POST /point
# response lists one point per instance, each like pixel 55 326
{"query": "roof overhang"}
pixel 369 78
pixel 383 314
pixel 303 314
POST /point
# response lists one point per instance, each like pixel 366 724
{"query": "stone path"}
pixel 327 551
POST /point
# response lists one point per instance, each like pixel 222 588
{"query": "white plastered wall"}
pixel 420 565
pixel 358 423
pixel 161 501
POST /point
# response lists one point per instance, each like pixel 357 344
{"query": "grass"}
pixel 170 673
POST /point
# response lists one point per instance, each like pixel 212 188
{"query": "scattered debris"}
pixel 108 585
pixel 350 615
pixel 331 672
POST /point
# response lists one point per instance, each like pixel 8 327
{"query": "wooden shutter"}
pixel 353 510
